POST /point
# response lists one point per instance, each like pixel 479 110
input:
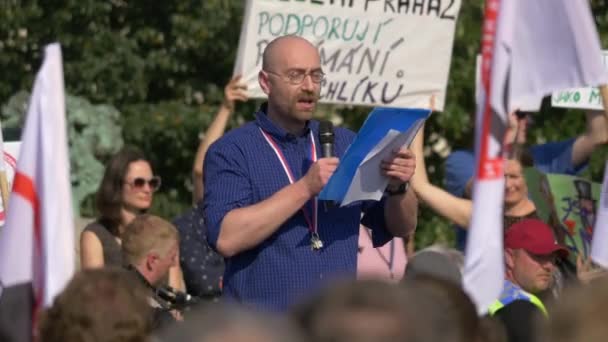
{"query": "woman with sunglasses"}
pixel 126 190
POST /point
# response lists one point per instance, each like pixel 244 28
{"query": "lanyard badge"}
pixel 311 220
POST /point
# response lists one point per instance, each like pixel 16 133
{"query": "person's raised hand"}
pixel 235 90
pixel 517 128
pixel 586 272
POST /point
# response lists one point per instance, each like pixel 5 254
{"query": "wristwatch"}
pixel 400 190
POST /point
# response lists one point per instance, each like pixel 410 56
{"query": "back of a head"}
pixel 491 329
pixel 146 234
pixel 446 307
pixel 366 310
pixel 579 315
pixel 101 305
pixel 225 323
pixel 436 261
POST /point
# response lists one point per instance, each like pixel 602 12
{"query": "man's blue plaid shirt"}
pixel 240 170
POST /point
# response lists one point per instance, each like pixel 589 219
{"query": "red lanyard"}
pixel 311 221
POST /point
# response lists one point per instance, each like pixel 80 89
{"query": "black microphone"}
pixel 326 137
pixel 176 298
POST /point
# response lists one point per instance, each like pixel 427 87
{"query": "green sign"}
pixel 569 204
pixel 585 98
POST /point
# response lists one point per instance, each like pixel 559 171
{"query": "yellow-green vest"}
pixel 511 293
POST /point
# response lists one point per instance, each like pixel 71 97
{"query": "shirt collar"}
pixel 141 277
pixel 276 131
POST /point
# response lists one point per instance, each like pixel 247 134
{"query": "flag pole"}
pixel 4 188
pixel 3 179
pixel 604 94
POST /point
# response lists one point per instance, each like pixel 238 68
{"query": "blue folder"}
pixel 374 129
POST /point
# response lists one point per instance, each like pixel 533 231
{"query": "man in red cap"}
pixel 530 254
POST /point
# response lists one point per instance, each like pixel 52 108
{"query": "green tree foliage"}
pixel 163 65
pixel 159 63
pixel 122 52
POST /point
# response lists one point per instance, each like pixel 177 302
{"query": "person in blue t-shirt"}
pixel 567 157
pixel 261 181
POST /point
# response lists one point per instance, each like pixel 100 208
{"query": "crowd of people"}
pixel 259 257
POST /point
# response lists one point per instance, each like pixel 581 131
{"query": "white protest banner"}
pixel 584 98
pixel 374 52
pixel 528 104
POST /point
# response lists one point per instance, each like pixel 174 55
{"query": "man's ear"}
pixel 509 258
pixel 264 82
pixel 150 261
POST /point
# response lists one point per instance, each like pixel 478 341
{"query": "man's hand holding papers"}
pixel 400 167
pixel 379 156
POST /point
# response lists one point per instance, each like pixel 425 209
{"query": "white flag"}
pixel 599 244
pixel 37 241
pixel 484 248
pixel 529 50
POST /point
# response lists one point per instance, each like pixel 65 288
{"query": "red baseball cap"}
pixel 534 236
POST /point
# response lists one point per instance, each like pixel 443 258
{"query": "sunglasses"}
pixel 139 183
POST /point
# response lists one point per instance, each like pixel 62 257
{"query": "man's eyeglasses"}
pixel 139 183
pixel 297 76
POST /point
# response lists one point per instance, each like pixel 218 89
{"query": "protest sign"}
pixel 599 247
pixel 569 205
pixel 584 98
pixel 374 52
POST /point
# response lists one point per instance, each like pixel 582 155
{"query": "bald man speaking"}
pixel 261 182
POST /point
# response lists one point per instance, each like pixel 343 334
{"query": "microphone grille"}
pixel 326 132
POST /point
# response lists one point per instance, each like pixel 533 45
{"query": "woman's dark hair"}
pixel 522 154
pixel 109 194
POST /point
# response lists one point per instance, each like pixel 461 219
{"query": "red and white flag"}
pixel 37 241
pixel 529 50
